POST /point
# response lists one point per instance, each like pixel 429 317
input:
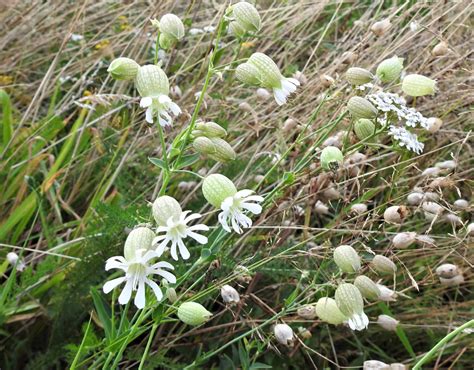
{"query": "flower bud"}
pixel 139 238
pixel 216 188
pixel 215 147
pixel 229 294
pixel 270 75
pixel 123 69
pixel 327 311
pixel 193 313
pixel 152 81
pixel 375 365
pixel 434 124
pixel 386 294
pixel 361 108
pixel 209 129
pixel 404 239
pixel 346 258
pixel 307 312
pixel 390 69
pixel 440 49
pixel 379 28
pixel 171 295
pixel 15 261
pixel 283 334
pixel 203 145
pixel 364 128
pixel 359 208
pixel 395 214
pixel 331 158
pixel 236 29
pixel 367 287
pixel 387 322
pixel 164 208
pixel 350 302
pixel 245 15
pixel 451 282
pixel 172 27
pixel 383 265
pixel 418 85
pixel 243 274
pixel 415 198
pixel 447 270
pixel 248 74
pixel 358 76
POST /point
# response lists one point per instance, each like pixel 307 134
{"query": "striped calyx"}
pixel 171 26
pixel 349 299
pixel 248 74
pixel 390 69
pixel 216 188
pixel 244 17
pixel 367 287
pixel 193 313
pixel 123 69
pixel 152 81
pixel 346 258
pixel 165 207
pixel 331 158
pixel 270 75
pixel 358 76
pixel 139 238
pixel 418 85
pixel 383 265
pixel 361 108
pixel 364 128
pixel 327 310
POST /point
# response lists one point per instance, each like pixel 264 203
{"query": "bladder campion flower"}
pixel 173 222
pixel 171 29
pixel 243 18
pixel 153 86
pixel 222 193
pixel 350 302
pixel 137 268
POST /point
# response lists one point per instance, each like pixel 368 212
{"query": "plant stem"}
pixel 148 345
pixel 441 343
pixel 167 174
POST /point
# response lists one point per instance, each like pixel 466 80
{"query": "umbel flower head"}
pixel 244 18
pixel 153 86
pixel 173 224
pixel 171 29
pixel 138 269
pixel 350 302
pixel 261 70
pixel 221 192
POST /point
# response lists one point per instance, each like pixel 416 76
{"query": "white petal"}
pixel 183 251
pixel 166 275
pixel 163 99
pixel 201 239
pixel 191 217
pixel 223 221
pixel 126 294
pixel 174 250
pixel 156 289
pixel 294 81
pixel 175 109
pixel 254 198
pixel 280 96
pixel 200 227
pixel 288 86
pixel 146 102
pixel 140 296
pixel 235 226
pixel 256 209
pixel 112 284
pixel 163 264
pixel 243 193
pixel 227 203
pixel 149 115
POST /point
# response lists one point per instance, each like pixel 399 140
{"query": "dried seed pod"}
pixel 327 311
pixel 367 287
pixel 243 274
pixel 451 282
pixel 229 294
pixel 307 312
pixel 431 196
pixel 432 207
pixel 397 366
pixel 387 322
pixel 395 214
pixel 404 240
pixel 326 80
pixel 284 334
pixel 346 258
pixel 440 49
pixel 331 193
pixel 470 229
pixel 446 165
pixel 320 208
pixel 447 270
pixel 430 172
pixel 381 27
pixel 383 265
pixel 359 208
pixel 263 94
pixel 348 57
pixel 415 198
pixel 452 219
pixel 304 333
pixel 425 241
pixel 289 125
pixel 358 76
pixel 361 108
pixel 461 204
pixel 301 77
pixel 375 365
pixel 434 124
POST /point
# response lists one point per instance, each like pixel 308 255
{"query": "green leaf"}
pixel 103 311
pixel 158 163
pixel 187 160
pixel 260 365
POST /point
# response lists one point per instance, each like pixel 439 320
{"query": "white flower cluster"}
pixel 394 107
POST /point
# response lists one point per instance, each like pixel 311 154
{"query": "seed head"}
pixel 383 265
pixel 229 294
pixel 395 214
pixel 381 27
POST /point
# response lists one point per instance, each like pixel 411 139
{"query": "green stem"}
pixel 148 345
pixel 441 343
pixel 157 46
pixel 167 174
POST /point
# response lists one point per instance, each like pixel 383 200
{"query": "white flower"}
pixel 233 207
pixel 76 37
pixel 14 260
pixel 406 138
pixel 195 31
pixel 176 231
pixel 358 321
pixel 288 86
pixel 159 106
pixel 137 271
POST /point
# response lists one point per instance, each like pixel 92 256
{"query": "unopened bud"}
pixel 440 49
pixel 375 365
pixel 367 287
pixel 358 76
pixel 327 311
pixel 381 27
pixel 364 128
pixel 193 313
pixel 209 129
pixel 395 214
pixel 346 258
pixel 123 69
pixel 284 334
pixel 386 294
pixel 171 295
pixel 390 69
pixel 15 261
pixel 383 265
pixel 430 172
pixel 418 85
pixel 331 158
pixel 361 108
pixel 229 294
pixel 387 322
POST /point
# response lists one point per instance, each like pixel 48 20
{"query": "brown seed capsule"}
pixel 326 80
pixel 454 281
pixel 470 229
pixel 359 208
pixel 447 270
pixel 440 49
pixel 381 27
pixel 289 125
pixel 395 214
pixel 434 124
pixel 320 208
pixel 348 57
pixel 307 312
